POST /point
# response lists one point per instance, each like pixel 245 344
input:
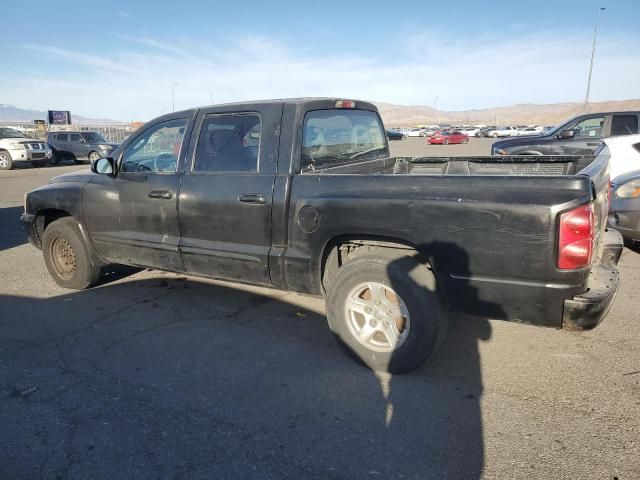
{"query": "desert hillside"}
pixel 521 114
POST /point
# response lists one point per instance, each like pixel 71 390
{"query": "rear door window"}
pixel 61 137
pixel 229 143
pixel 74 137
pixel 624 125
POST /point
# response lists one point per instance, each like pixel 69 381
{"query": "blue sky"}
pixel 118 59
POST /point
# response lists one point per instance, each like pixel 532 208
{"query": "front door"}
pixel 588 132
pixel 132 218
pixel 226 193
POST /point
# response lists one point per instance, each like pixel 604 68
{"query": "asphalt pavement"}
pixel 157 375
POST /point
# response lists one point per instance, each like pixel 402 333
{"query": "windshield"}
pixel 93 137
pixel 10 133
pixel 337 136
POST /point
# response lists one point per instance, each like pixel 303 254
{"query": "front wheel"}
pixel 386 312
pixel 495 135
pixel 446 141
pixel 94 156
pixel 6 162
pixel 66 255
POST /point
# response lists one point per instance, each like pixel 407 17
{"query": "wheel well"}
pixel 342 249
pixel 527 152
pixel 47 216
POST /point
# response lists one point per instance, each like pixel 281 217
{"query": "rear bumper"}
pixel 585 311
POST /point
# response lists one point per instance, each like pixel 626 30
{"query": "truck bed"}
pixel 525 165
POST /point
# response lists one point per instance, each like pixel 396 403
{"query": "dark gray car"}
pixel 78 146
pixel 624 212
pixel 579 136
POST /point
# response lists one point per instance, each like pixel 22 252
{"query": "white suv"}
pixel 16 147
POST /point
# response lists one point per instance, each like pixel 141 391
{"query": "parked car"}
pixel 15 147
pixel 415 132
pixel 395 135
pixel 502 132
pixel 581 135
pixel 624 212
pixel 484 131
pixel 78 146
pixel 445 138
pixel 296 214
pixel 470 131
pixel 428 132
pixel 527 131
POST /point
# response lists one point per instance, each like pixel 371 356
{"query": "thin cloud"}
pixel 124 14
pixel 489 72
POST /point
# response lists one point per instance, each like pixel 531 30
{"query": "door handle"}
pixel 163 194
pixel 255 198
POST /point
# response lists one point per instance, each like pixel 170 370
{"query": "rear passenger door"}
pixel 61 141
pixel 225 197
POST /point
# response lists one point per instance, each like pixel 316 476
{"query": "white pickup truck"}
pixel 16 147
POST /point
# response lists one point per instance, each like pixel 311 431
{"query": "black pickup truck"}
pixel 303 195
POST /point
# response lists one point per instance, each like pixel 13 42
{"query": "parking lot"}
pixel 158 375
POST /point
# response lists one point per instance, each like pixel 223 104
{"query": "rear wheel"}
pixel 495 135
pixel 55 159
pixel 66 255
pixel 93 156
pixel 6 162
pixel 386 312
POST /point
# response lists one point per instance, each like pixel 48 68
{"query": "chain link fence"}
pixel 112 132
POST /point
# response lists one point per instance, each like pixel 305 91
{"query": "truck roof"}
pixel 321 102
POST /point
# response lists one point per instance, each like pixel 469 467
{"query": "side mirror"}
pixel 566 134
pixel 103 166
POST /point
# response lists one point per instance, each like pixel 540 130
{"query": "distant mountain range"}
pixel 403 115
pixel 9 113
pixel 521 114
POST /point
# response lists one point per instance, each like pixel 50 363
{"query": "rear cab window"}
pixel 337 136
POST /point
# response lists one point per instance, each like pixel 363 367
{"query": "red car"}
pixel 445 138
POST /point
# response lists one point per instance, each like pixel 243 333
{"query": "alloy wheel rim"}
pixel 4 161
pixel 377 317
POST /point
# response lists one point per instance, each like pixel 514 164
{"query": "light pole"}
pixel 173 96
pixel 593 53
pixel 435 107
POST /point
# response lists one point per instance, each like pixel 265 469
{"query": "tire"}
pixel 6 162
pixel 55 159
pixel 495 135
pixel 67 257
pixel 466 140
pixel 93 156
pixel 446 141
pixel 402 278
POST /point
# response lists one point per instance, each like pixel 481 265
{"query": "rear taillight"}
pixel 576 233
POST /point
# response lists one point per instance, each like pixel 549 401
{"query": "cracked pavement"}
pixel 156 375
